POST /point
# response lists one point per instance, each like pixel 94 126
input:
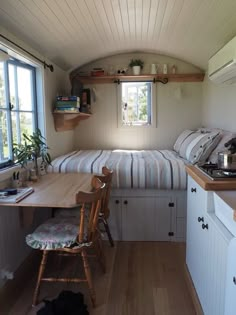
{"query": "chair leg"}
pixel 40 275
pixel 100 254
pixel 104 221
pixel 88 277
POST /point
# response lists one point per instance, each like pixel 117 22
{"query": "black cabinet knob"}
pixel 117 202
pixel 234 280
pixel 125 202
pixel 205 226
pixel 193 190
pixel 200 219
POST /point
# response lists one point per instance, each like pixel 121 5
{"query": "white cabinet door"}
pixel 195 239
pixel 230 296
pixel 164 219
pixel 217 240
pixel 146 219
pixel 114 219
pixel 138 216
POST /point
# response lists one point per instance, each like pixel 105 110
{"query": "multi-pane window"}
pixel 136 103
pixel 17 105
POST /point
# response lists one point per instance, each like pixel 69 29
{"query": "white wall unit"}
pixel 147 215
pixel 209 255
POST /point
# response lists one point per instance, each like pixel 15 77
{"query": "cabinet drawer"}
pixel 197 196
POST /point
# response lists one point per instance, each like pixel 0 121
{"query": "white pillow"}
pixel 196 146
pixel 181 138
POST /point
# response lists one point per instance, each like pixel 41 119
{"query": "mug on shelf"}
pixel 165 68
pixel 153 68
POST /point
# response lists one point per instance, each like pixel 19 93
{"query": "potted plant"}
pixel 136 65
pixel 32 148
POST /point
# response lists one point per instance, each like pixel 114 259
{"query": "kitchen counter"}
pixel 224 196
pixel 208 184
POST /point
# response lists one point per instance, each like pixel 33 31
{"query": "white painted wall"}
pixel 13 249
pixel 59 142
pixel 219 106
pixel 174 112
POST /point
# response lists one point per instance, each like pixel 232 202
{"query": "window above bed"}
pixel 136 104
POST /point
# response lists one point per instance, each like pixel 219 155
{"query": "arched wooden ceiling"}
pixel 74 32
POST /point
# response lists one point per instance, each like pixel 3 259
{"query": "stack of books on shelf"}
pixel 97 72
pixel 67 104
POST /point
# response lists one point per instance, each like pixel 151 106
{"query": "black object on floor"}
pixel 67 303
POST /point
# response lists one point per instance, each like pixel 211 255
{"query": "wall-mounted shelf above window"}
pixel 187 77
pixel 68 121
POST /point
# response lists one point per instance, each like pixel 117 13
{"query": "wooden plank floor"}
pixel 141 278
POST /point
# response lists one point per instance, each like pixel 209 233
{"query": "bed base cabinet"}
pixel 144 216
pixel 146 219
pixel 114 220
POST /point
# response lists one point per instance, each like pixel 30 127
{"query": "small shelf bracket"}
pixel 163 81
pixel 117 81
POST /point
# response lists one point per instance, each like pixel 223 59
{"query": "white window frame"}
pixel 40 97
pixel 153 106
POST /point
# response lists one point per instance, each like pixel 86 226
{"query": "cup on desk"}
pixel 33 175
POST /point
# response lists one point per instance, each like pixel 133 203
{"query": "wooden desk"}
pixel 52 191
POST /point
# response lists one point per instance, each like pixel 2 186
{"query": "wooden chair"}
pixel 106 178
pixel 73 236
pixel 105 212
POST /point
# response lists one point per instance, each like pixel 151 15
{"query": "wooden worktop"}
pixel 208 184
pixel 56 190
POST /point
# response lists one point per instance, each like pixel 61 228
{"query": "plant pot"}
pixel 136 70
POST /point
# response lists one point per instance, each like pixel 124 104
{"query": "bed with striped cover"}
pixel 144 169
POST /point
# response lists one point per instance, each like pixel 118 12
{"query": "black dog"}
pixel 67 303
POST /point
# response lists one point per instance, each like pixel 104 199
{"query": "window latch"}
pixel 11 106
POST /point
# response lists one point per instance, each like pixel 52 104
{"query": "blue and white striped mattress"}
pixel 146 169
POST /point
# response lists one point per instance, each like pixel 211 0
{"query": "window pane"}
pixel 26 123
pixel 21 123
pixel 136 103
pixel 2 86
pixel 17 87
pixel 4 137
pixel 15 127
pixel 24 81
pixel 12 86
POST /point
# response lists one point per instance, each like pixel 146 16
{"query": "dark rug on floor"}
pixel 67 302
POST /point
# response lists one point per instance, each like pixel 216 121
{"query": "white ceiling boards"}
pixel 74 32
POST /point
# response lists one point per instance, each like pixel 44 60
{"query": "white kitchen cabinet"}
pixel 195 244
pixel 209 254
pixel 230 296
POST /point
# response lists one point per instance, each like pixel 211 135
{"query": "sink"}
pixel 225 209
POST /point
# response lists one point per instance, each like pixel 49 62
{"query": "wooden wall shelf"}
pixel 68 121
pixel 187 77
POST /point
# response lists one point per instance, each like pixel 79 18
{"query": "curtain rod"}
pixel 40 60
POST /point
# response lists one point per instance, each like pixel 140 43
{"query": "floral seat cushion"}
pixel 56 233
